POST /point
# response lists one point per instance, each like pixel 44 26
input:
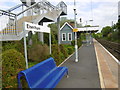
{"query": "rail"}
pixel 14 21
pixel 111 46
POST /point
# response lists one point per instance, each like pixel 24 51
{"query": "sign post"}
pixel 37 28
pixel 50 43
pixel 25 48
pixel 76 46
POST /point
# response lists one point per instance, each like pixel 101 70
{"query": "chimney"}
pixel 72 24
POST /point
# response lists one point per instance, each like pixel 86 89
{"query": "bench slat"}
pixel 57 77
pixel 43 75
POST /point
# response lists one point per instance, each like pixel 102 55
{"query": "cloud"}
pixel 104 11
pixel 56 1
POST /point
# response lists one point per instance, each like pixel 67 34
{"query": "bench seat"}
pixel 43 75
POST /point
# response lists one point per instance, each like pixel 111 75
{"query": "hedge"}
pixel 12 62
pixel 38 52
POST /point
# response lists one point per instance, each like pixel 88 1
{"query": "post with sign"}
pixel 25 47
pixel 37 28
pixel 76 46
pixel 50 43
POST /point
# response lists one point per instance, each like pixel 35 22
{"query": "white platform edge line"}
pixel 110 54
pixel 68 58
pixel 99 70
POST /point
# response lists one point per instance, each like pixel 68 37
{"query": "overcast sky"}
pixel 103 11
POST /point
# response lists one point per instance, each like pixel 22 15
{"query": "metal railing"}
pixel 62 6
pixel 13 25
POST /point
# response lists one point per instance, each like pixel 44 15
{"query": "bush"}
pixel 38 52
pixel 56 54
pixel 12 62
pixel 79 42
pixel 60 52
pixel 17 45
pixel 64 51
pixel 70 50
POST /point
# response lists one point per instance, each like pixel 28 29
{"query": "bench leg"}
pixel 67 75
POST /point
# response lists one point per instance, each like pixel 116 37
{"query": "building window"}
pixel 69 36
pixel 63 36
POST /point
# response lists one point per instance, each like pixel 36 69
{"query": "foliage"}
pixel 38 52
pixel 12 62
pixel 54 38
pixel 63 50
pixel 110 33
pixel 115 37
pixel 70 49
pixel 53 28
pixel 83 36
pixel 46 38
pixel 79 42
pixel 60 52
pixel 106 30
pixel 30 64
pixel 56 53
pixel 17 45
pixel 118 30
pixel 97 35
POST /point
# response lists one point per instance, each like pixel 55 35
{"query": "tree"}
pixel 106 30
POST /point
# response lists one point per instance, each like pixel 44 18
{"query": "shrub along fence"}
pixel 13 59
pixel 12 62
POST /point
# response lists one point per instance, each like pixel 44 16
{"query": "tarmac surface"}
pixel 83 74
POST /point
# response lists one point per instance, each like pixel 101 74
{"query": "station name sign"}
pixel 33 27
pixel 37 28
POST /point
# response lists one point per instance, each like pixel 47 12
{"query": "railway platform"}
pixel 108 67
pixel 96 69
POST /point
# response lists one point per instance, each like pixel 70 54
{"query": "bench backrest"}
pixel 38 71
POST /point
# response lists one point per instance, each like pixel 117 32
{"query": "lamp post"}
pixel 76 46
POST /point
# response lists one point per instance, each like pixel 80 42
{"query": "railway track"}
pixel 113 48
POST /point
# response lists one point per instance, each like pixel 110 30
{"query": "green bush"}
pixel 56 54
pixel 73 43
pixel 17 45
pixel 38 52
pixel 60 52
pixel 64 51
pixel 70 50
pixel 79 42
pixel 12 62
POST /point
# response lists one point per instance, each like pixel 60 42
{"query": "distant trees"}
pixel 106 30
pixel 111 33
pixel 118 28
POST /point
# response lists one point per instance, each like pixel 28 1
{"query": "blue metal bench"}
pixel 43 75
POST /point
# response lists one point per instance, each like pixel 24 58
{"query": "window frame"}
pixel 69 36
pixel 62 36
